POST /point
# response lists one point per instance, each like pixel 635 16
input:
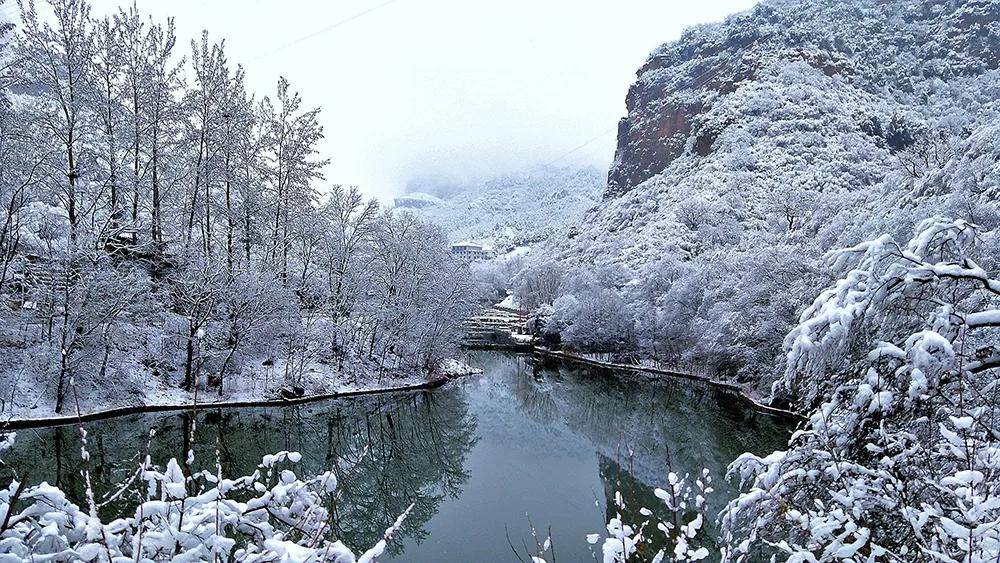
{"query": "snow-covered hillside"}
pixel 754 146
pixel 807 195
pixel 511 210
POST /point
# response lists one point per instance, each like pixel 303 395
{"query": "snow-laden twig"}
pixel 269 515
pixel 900 460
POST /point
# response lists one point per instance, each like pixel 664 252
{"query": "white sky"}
pixel 449 88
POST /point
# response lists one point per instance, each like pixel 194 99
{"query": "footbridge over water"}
pixel 497 327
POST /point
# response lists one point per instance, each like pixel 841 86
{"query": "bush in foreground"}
pixel 269 515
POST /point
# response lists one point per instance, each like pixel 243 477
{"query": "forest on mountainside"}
pixel 510 210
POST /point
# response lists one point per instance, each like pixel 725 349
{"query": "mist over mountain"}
pixel 524 208
pixel 439 187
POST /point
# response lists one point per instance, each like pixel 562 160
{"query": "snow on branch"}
pixel 269 515
pixel 890 291
pixel 899 459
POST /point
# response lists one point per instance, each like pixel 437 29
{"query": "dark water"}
pixel 478 457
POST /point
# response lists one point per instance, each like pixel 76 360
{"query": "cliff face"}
pixel 878 46
pixel 754 147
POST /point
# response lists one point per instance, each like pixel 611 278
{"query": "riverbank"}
pixel 652 370
pixel 180 400
pixel 455 369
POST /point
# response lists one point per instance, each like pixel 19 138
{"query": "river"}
pixel 526 439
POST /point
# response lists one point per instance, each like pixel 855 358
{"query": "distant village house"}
pixel 472 252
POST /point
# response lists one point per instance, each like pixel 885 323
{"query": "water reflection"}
pixel 414 449
pixel 526 437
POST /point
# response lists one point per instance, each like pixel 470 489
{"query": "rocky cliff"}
pixel 756 146
pixel 883 47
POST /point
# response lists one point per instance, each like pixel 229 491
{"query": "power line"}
pixel 581 146
pixel 324 30
pixel 711 71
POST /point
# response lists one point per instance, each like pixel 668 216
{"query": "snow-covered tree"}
pixel 57 59
pixel 678 525
pixel 196 206
pixel 899 460
pixel 293 133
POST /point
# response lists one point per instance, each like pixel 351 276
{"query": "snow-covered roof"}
pixel 471 244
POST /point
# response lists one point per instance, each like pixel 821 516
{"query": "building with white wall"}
pixel 472 251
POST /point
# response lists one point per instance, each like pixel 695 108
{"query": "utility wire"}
pixel 319 32
pixel 710 73
pixel 581 146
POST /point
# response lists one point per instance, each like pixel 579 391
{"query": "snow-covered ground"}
pixel 457 368
pixel 265 383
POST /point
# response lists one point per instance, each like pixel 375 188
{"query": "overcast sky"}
pixel 450 88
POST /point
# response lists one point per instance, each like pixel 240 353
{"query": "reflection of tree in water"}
pixel 52 455
pixel 415 448
pixel 693 425
pixel 533 390
pixel 417 443
pixel 416 454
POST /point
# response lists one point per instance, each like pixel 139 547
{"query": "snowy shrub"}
pixel 538 286
pixel 899 461
pixel 43 227
pixel 596 321
pixel 269 515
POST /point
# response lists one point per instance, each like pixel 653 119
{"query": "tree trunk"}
pixel 229 358
pixel 194 193
pixel 135 153
pixel 61 382
pixel 230 224
pixel 189 358
pixel 207 229
pixel 71 195
pixel 157 234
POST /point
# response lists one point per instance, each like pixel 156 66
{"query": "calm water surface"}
pixel 483 455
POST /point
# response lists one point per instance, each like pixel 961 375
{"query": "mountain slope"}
pixel 894 49
pixel 755 146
